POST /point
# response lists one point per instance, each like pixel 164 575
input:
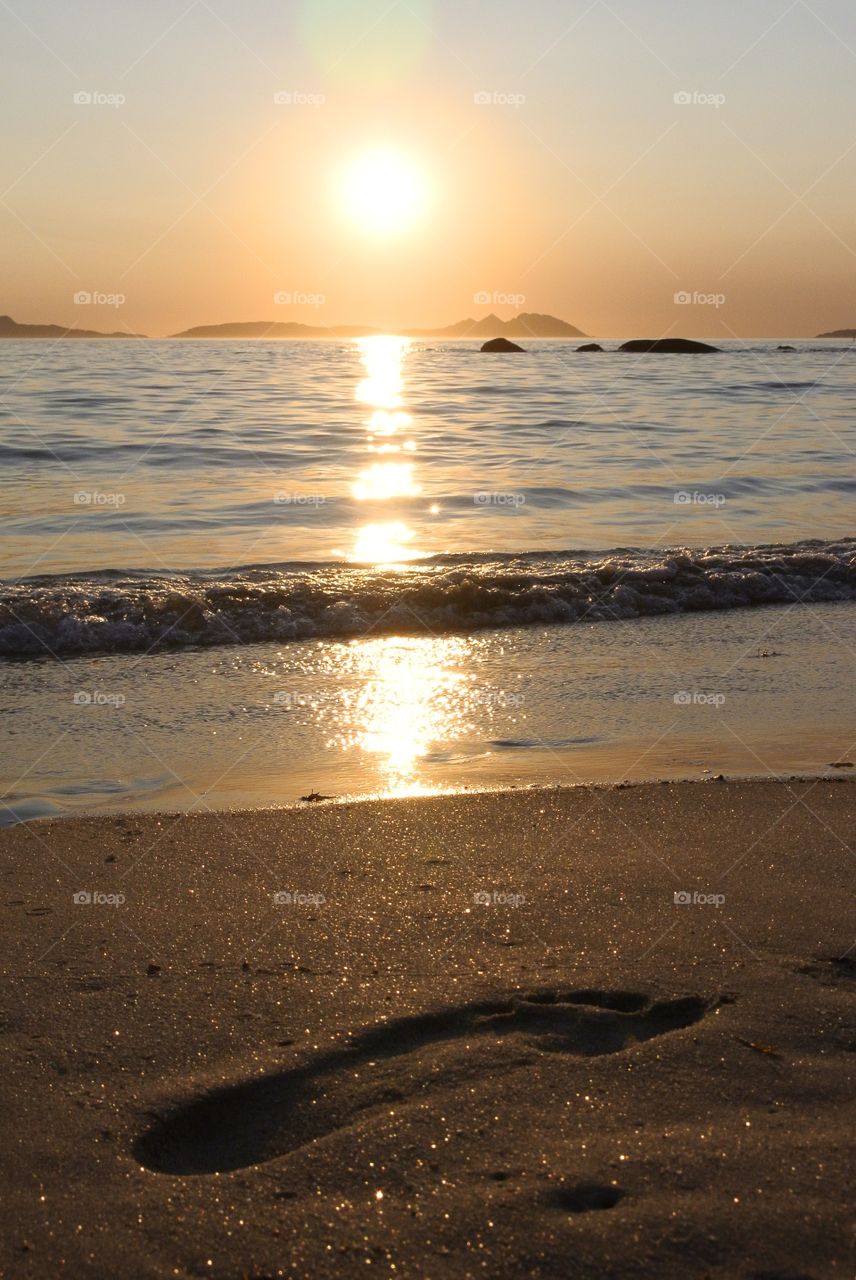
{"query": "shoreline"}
pixel 315 801
pixel 476 1034
pixel 679 697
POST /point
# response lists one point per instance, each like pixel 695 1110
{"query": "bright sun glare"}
pixel 384 191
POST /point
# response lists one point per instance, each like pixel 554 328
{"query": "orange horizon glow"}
pixel 404 172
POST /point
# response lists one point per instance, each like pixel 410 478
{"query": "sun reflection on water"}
pixel 382 390
pixel 387 422
pixel 384 544
pixel 407 701
pixel 402 697
pixel 386 480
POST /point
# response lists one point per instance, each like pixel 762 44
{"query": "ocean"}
pixel 239 572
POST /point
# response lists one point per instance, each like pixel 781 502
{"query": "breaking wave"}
pixel 115 611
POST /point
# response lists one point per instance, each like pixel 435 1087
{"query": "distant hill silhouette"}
pixel 10 328
pixel 260 329
pixel 839 333
pixel 526 325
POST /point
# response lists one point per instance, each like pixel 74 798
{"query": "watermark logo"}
pixel 497 698
pixel 695 698
pixel 96 498
pixel 291 701
pixel 498 98
pixel 693 498
pixel 685 299
pixel 498 898
pixel 694 98
pixel 95 98
pixel 97 698
pixel 94 298
pixel 484 298
pixel 683 898
pixel 484 498
pixel 294 298
pixel 284 498
pixel 298 98
pixel 94 898
pixel 296 898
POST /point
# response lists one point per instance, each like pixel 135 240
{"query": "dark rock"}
pixel 786 348
pixel 501 344
pixel 591 346
pixel 667 346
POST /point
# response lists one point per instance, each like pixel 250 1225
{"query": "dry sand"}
pixel 579 1076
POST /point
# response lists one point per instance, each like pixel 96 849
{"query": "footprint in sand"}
pixel 401 1060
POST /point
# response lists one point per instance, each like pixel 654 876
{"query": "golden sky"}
pixel 406 164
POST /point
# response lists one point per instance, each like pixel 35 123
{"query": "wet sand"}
pixel 753 691
pixel 452 1036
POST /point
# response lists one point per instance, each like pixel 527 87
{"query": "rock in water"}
pixel 591 346
pixel 501 344
pixel 667 346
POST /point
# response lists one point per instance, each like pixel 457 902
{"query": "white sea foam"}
pixel 130 612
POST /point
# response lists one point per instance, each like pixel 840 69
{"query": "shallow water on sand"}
pixel 751 692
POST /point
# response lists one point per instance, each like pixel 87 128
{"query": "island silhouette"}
pixel 524 325
pixel 10 328
pixel 527 324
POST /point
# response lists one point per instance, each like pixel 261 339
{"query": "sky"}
pixel 636 167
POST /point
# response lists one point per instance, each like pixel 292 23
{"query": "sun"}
pixel 384 191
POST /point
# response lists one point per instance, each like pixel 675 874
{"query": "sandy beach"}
pixel 427 636
pixel 532 1033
